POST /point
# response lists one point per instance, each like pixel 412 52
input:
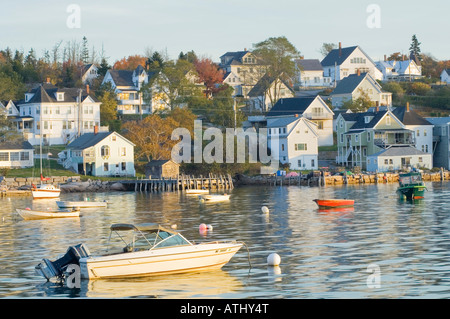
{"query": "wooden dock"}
pixel 180 183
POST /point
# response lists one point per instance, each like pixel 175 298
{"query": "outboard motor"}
pixel 50 269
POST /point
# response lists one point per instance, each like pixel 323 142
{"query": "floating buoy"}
pixel 274 259
pixel 209 227
pixel 173 226
pixel 202 228
pixel 265 210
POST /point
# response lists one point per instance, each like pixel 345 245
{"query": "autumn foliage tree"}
pixel 130 63
pixel 210 74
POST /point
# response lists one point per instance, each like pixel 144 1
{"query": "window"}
pixel 420 160
pixel 282 147
pixel 424 132
pixel 57 110
pixel 124 166
pixel 4 156
pixel 368 136
pixel 417 133
pixel 105 167
pixel 299 163
pixel 270 131
pixel 113 138
pixel 14 156
pixel 368 161
pixel 313 163
pixel 342 138
pixel 426 148
pixel 388 120
pixel 284 130
pixel 386 161
pixel 391 161
pixel 356 138
pixel 105 150
pixel 301 147
pixel 24 156
pixel 341 124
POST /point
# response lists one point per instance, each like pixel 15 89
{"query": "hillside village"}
pixel 373 115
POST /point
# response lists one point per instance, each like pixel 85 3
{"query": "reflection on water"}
pixel 324 253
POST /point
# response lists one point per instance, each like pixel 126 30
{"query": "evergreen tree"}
pixel 414 49
pixel 85 51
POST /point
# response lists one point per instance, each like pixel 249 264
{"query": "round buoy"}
pixel 209 227
pixel 265 210
pixel 274 259
pixel 173 226
pixel 202 228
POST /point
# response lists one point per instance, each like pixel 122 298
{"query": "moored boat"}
pixel 214 198
pixel 29 214
pixel 411 185
pixel 334 203
pixel 45 191
pixel 81 204
pixel 151 250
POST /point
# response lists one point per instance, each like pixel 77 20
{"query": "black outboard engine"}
pixel 50 269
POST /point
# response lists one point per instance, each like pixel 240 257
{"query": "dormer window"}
pixel 59 96
pixel 367 119
pixel 28 96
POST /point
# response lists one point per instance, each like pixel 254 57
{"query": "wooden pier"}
pixel 180 183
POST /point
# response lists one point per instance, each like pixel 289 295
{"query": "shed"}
pixel 162 169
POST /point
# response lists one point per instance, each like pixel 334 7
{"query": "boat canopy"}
pixel 139 227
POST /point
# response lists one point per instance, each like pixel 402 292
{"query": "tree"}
pixel 414 49
pixel 210 74
pixel 327 48
pixel 360 104
pixel 152 137
pixel 85 51
pixel 130 63
pixel 103 67
pixel 397 56
pixel 155 62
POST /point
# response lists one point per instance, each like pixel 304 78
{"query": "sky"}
pixel 214 27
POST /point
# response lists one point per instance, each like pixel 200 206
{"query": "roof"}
pixel 20 145
pixel 291 106
pixel 361 121
pixel 282 121
pixel 400 151
pixel 264 84
pixel 439 120
pixel 334 58
pixel 349 84
pixel 409 117
pixel 159 162
pixel 309 64
pixel 88 139
pixel 46 93
pixel 122 77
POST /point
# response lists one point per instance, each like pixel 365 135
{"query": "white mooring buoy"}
pixel 274 259
pixel 265 209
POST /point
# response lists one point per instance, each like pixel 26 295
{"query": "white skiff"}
pixel 29 214
pixel 214 198
pixel 80 204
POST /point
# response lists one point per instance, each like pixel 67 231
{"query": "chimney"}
pixel 48 81
pixel 358 72
pixel 87 89
pixel 385 58
pixel 296 115
pixel 407 106
pixel 377 108
pixel 95 129
pixel 340 49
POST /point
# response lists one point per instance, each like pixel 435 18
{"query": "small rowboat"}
pixel 334 203
pixel 214 198
pixel 29 214
pixel 80 204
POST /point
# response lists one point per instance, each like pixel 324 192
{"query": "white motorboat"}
pixel 29 214
pixel 214 198
pixel 45 191
pixel 196 191
pixel 151 250
pixel 81 204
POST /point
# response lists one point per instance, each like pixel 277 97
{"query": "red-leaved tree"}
pixel 210 75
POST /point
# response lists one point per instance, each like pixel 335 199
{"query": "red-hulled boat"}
pixel 334 203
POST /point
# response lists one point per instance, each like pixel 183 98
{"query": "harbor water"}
pixel 382 248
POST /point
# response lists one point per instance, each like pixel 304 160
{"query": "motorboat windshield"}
pixel 146 237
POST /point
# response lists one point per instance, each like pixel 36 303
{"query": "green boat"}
pixel 411 185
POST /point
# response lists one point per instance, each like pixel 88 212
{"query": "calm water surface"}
pixel 323 254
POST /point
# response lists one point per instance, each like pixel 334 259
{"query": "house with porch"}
pixel 128 85
pixel 354 86
pixel 242 69
pixel 56 115
pixel 312 108
pixel 445 76
pixel 361 135
pixel 395 158
pixel 294 141
pixel 100 154
pixel 399 70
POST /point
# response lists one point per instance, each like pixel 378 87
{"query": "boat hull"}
pixel 45 191
pixel 334 203
pixel 412 192
pixel 197 191
pixel 180 259
pixel 33 214
pixel 80 204
pixel 214 198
